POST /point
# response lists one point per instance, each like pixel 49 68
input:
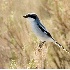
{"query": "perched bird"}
pixel 40 31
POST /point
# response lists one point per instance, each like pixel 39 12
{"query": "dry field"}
pixel 19 46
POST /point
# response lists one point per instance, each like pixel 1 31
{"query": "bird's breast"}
pixel 35 29
pixel 38 32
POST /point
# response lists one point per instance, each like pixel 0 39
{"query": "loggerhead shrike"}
pixel 40 31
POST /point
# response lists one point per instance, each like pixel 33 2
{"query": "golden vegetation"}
pixel 18 44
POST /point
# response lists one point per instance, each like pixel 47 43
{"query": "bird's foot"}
pixel 41 44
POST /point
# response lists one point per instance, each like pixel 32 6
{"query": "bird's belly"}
pixel 37 31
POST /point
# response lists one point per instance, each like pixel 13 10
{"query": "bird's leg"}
pixel 41 44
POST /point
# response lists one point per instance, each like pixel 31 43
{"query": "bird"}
pixel 40 31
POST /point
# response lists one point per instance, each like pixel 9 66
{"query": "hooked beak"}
pixel 25 16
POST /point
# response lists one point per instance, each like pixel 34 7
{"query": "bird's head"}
pixel 31 16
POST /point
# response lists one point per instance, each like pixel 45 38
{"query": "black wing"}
pixel 43 29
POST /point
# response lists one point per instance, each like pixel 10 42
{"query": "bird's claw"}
pixel 41 44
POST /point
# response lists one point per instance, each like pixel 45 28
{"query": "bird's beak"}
pixel 25 16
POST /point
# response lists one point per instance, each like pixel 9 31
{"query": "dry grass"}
pixel 18 44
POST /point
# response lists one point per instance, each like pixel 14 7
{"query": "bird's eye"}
pixel 32 16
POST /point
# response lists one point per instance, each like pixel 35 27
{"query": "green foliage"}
pixel 13 59
pixel 31 65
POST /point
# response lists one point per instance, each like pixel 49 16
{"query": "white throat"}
pixel 31 19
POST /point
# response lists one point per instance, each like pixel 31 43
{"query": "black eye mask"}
pixel 31 16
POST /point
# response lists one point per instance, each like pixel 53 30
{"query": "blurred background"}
pixel 19 46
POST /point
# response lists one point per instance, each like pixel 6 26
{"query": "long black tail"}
pixel 60 46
